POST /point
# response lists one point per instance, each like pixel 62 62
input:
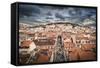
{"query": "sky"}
pixel 31 14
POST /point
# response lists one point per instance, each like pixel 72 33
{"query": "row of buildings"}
pixel 45 38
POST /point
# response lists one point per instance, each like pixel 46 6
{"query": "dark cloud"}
pixel 75 12
pixel 82 12
pixel 49 17
pixel 58 15
pixel 49 13
pixel 28 10
pixel 37 13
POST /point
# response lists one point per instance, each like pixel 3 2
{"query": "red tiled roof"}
pixel 25 32
pixel 80 38
pixel 79 54
pixel 46 42
pixel 69 44
pixel 25 43
pixel 88 46
pixel 87 55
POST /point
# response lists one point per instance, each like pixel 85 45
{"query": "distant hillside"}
pixel 66 23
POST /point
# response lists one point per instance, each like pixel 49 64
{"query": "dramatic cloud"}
pixel 28 10
pixel 61 17
pixel 37 14
pixel 49 14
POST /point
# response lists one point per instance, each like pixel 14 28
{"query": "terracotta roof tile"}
pixel 25 43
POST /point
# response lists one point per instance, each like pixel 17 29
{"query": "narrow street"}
pixel 59 54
